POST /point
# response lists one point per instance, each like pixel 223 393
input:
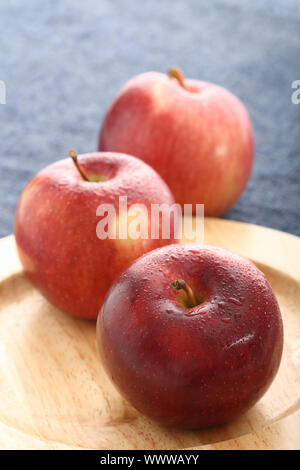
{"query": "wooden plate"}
pixel 54 393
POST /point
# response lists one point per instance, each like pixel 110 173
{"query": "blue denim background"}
pixel 63 63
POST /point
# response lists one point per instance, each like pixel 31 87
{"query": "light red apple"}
pixel 191 335
pixel 197 135
pixel 57 222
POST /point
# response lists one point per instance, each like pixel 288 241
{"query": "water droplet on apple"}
pixel 236 301
pixel 226 319
pixel 221 270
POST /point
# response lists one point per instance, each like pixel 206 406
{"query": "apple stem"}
pixel 73 155
pixel 175 72
pixel 180 284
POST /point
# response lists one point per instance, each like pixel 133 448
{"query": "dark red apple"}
pixel 191 335
pixel 57 221
pixel 198 136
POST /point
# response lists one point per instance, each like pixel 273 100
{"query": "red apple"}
pixel 57 220
pixel 196 135
pixel 191 335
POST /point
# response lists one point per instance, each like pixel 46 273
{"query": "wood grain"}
pixel 54 393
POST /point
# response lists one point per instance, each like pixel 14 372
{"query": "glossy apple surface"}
pixel 191 366
pixel 56 223
pixel 199 137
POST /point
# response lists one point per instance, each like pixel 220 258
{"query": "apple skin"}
pixel 55 228
pixel 197 367
pixel 198 138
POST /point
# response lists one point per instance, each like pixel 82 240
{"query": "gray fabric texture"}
pixel 63 62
